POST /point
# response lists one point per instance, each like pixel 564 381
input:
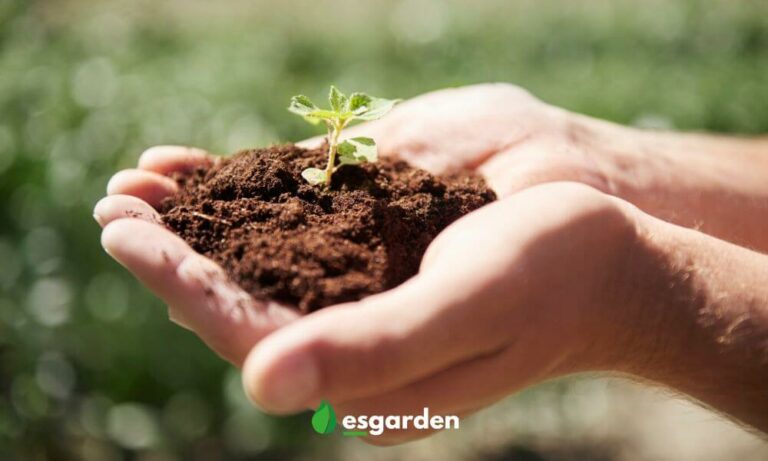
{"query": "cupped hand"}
pixel 501 131
pixel 517 292
pixel 476 127
pixel 712 183
pixel 197 291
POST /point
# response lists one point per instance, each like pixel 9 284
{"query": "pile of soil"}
pixel 309 246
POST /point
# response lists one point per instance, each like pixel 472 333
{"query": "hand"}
pixel 574 236
pixel 508 136
pixel 430 131
pixel 517 292
pixel 557 279
pixel 505 134
pixel 715 184
pixel 197 291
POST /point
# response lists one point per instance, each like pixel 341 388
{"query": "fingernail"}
pixel 98 219
pixel 289 386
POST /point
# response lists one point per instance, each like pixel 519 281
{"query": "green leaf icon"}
pixel 324 419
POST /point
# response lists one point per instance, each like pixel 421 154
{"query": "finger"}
pixel 115 207
pixel 538 162
pixel 171 159
pixel 471 384
pixel 229 320
pixel 311 143
pixel 147 185
pixel 459 390
pixel 198 293
pixel 408 333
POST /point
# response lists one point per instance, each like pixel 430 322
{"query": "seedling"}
pixel 344 109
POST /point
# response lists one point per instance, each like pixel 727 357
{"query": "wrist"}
pixel 611 318
pixel 638 166
pixel 699 318
pixel 716 184
pixel 653 288
pixel 644 300
pixel 680 302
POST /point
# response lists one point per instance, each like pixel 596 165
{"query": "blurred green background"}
pixel 90 367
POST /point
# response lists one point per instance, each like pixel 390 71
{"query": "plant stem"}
pixel 334 130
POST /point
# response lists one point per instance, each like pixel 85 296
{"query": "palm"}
pixel 496 297
pixel 198 294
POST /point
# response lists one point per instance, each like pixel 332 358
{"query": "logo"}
pixel 324 422
pixel 324 419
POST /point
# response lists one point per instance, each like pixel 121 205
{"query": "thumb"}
pixel 359 349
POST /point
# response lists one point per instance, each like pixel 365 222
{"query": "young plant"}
pixel 344 109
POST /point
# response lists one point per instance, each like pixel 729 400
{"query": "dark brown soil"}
pixel 303 245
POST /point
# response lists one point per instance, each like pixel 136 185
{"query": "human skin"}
pixel 556 279
pixel 713 183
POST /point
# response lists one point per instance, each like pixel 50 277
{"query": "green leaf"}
pixel 357 150
pixel 358 103
pixel 302 105
pixel 314 176
pixel 318 115
pixel 324 114
pixel 346 148
pixel 312 120
pixel 343 109
pixel 337 99
pixel 324 419
pixel 377 107
pixel 364 141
